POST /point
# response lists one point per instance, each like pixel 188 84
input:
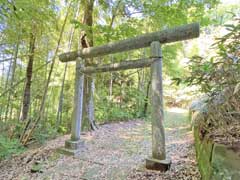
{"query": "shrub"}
pixel 216 73
pixel 9 147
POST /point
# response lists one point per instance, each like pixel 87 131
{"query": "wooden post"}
pixel 73 145
pixel 158 160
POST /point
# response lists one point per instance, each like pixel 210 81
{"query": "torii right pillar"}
pixel 158 160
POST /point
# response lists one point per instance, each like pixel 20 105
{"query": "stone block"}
pixel 226 162
pixel 159 165
pixel 69 144
pixel 217 161
pixel 72 147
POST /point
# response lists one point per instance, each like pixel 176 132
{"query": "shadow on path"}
pixel 115 151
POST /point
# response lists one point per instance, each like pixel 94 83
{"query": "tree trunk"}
pixel 8 75
pixel 27 89
pixel 60 105
pixel 3 78
pixel 61 96
pixel 86 38
pixel 146 100
pixel 114 15
pixel 12 80
pixel 6 86
pixel 111 82
pixel 28 132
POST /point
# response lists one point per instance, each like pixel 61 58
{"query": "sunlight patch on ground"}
pixel 177 110
pixel 178 128
pixel 114 151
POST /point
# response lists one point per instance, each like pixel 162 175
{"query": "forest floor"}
pixel 114 151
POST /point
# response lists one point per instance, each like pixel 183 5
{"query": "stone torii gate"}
pixel 158 160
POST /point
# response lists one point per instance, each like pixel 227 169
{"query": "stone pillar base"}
pixel 72 147
pixel 159 165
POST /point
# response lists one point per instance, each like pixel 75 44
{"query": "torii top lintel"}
pixel 179 33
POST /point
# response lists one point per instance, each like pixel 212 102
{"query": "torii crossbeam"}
pixel 158 160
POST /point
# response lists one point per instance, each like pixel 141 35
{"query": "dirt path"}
pixel 114 151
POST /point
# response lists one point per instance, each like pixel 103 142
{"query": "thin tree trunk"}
pixel 111 82
pixel 8 75
pixel 3 78
pixel 141 82
pixel 44 113
pixel 23 79
pixel 146 100
pixel 114 15
pixel 60 105
pixel 27 89
pixel 26 135
pixel 61 96
pixel 12 80
pixel 6 86
pixel 2 86
pixel 142 76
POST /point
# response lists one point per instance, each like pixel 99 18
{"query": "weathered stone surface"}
pixel 72 147
pixel 216 161
pixel 78 103
pixel 226 162
pixel 203 152
pixel 160 165
pixel 199 105
pixel 70 152
pixel 74 144
pixel 197 110
pixel 157 113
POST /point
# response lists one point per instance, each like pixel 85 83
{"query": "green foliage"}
pixel 119 107
pixel 172 13
pixel 220 71
pixel 171 61
pixel 44 132
pixel 113 20
pixel 221 14
pixel 9 147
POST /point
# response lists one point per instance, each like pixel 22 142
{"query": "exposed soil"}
pixel 115 151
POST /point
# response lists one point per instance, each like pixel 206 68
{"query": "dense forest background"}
pixel 37 90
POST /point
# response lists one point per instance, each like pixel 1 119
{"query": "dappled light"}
pixel 113 151
pixel 120 89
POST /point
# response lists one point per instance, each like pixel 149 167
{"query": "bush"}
pixel 216 73
pixel 125 107
pixel 219 78
pixel 9 147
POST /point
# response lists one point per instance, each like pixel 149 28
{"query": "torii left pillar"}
pixel 73 146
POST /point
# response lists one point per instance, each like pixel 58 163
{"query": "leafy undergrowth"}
pixel 218 77
pixel 114 151
pixel 8 147
pixel 220 119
